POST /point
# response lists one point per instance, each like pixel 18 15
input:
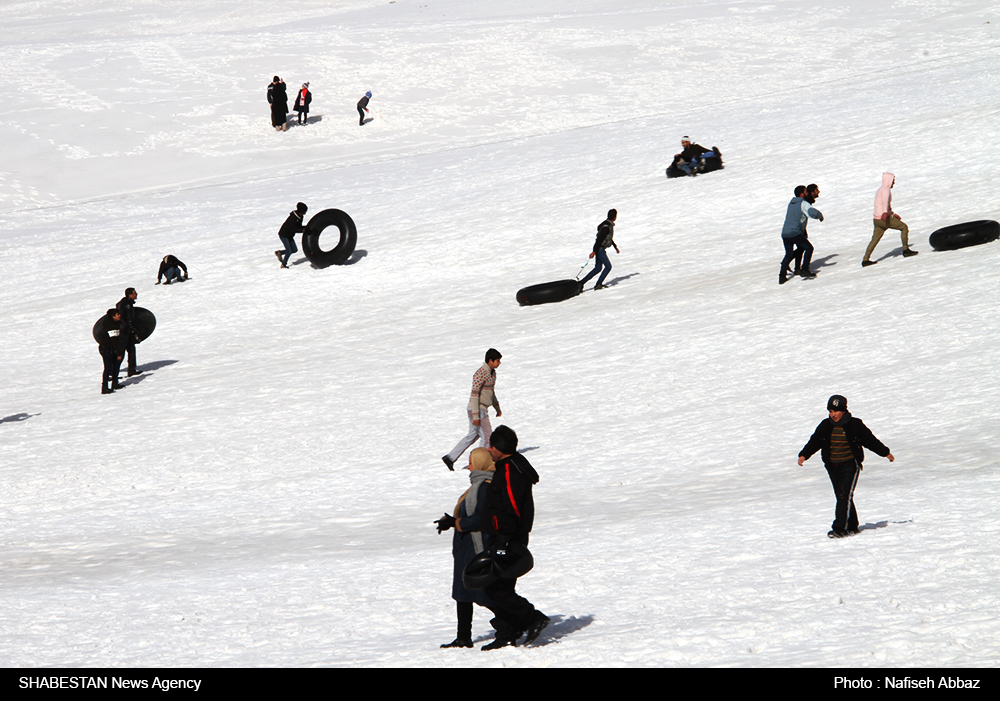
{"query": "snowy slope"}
pixel 263 494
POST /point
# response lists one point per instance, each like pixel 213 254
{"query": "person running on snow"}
pixel 286 234
pixel 482 397
pixel 605 240
pixel 842 438
pixel 277 97
pixel 111 340
pixel 363 107
pixel 793 234
pixel 885 219
pixel 171 267
pixel 302 100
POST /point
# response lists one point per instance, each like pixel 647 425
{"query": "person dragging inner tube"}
pixel 605 240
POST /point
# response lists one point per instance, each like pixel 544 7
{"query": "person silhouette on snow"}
pixel 172 268
pixel 605 240
pixel 302 100
pixel 508 517
pixel 793 234
pixel 126 305
pixel 468 541
pixel 363 107
pixel 111 341
pixel 884 219
pixel 482 397
pixel 842 438
pixel 277 97
pixel 286 234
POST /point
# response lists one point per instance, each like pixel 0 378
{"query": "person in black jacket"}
pixel 605 240
pixel 110 335
pixel 684 160
pixel 286 234
pixel 277 97
pixel 508 517
pixel 171 267
pixel 302 99
pixel 363 107
pixel 842 439
pixel 126 305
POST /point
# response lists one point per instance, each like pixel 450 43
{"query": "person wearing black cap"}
pixel 111 340
pixel 508 516
pixel 293 225
pixel 842 438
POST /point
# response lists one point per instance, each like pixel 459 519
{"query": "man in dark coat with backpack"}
pixel 842 438
pixel 508 516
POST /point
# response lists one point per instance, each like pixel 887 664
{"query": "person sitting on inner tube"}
pixel 686 158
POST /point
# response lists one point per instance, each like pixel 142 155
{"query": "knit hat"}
pixel 480 459
pixel 504 439
pixel 301 208
pixel 837 403
pixel 305 85
pixel 368 94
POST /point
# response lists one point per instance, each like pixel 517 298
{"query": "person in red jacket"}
pixel 508 516
pixel 842 439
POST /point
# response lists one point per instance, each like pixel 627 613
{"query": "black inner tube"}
pixel 345 246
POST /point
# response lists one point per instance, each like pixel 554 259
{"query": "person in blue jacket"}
pixel 793 234
pixel 469 541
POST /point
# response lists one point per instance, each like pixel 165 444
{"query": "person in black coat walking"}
pixel 842 438
pixel 302 99
pixel 469 541
pixel 286 234
pixel 508 517
pixel 363 107
pixel 277 96
pixel 111 339
pixel 126 305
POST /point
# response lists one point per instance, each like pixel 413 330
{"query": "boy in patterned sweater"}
pixel 482 397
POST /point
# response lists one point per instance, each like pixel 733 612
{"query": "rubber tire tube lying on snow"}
pixel 344 248
pixel 970 233
pixel 548 292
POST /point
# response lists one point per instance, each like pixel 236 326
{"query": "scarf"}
pixel 471 497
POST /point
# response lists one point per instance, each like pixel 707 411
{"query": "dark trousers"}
pixel 794 247
pixel 290 248
pixel 844 477
pixel 361 115
pixel 112 366
pixel 131 358
pixel 512 612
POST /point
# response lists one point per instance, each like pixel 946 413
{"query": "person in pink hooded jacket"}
pixel 885 218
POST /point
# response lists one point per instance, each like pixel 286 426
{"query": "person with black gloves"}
pixel 842 438
pixel 110 336
pixel 126 305
pixel 469 541
pixel 508 517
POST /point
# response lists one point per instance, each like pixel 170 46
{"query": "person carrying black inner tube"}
pixel 508 517
pixel 126 305
pixel 111 340
pixel 172 268
pixel 286 234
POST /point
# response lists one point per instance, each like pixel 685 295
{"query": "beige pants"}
pixel 880 229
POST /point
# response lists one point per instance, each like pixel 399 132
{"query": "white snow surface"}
pixel 264 494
